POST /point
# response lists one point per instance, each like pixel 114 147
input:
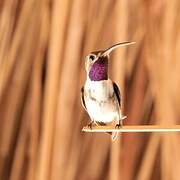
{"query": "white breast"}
pixel 102 105
pixel 99 90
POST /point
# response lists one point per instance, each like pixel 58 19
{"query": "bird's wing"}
pixel 82 99
pixel 117 93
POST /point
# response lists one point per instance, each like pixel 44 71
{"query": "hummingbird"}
pixel 100 96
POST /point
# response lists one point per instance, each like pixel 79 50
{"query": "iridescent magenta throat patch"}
pixel 99 70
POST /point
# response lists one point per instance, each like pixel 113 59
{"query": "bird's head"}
pixel 96 63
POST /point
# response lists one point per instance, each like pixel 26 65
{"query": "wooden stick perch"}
pixel 131 128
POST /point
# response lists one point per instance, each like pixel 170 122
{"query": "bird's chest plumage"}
pixel 99 90
pixel 100 100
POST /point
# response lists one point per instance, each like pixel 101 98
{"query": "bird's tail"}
pixel 114 135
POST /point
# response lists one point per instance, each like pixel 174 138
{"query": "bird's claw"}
pixel 119 125
pixel 90 125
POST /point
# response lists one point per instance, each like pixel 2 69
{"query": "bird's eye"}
pixel 92 57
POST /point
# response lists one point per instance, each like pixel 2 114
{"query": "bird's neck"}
pixel 99 70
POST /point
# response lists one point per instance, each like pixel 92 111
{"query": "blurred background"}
pixel 42 49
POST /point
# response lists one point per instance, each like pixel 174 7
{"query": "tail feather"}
pixel 114 135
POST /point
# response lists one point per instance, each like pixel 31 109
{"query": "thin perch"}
pixel 131 128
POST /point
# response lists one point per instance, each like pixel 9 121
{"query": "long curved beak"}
pixel 109 50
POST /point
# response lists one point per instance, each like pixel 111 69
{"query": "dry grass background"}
pixel 42 48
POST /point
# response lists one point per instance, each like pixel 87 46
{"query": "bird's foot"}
pixel 119 125
pixel 91 124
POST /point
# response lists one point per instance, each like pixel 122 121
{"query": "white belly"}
pixel 102 112
pixel 101 104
